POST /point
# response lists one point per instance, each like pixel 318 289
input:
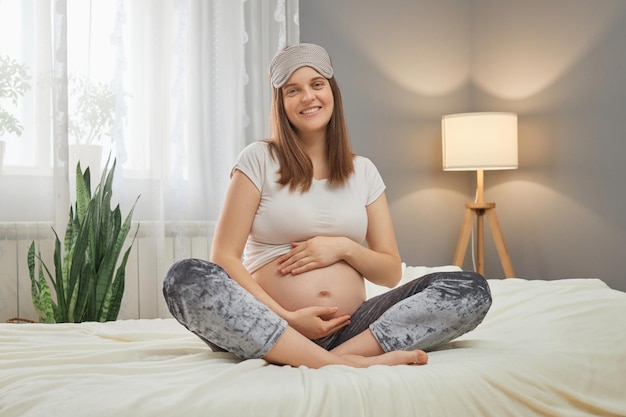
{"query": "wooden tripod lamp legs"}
pixel 479 210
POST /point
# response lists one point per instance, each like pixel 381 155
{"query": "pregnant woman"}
pixel 288 260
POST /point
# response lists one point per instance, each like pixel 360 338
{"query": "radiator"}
pixel 157 246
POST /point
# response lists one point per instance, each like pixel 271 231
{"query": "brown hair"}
pixel 296 168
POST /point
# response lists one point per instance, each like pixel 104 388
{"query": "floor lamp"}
pixel 479 142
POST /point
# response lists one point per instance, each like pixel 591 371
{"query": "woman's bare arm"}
pixel 231 233
pixel 380 261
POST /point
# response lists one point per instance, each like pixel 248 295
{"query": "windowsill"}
pixel 22 171
pixel 135 174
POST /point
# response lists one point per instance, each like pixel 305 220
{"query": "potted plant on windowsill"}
pixel 88 274
pixel 14 83
pixel 91 114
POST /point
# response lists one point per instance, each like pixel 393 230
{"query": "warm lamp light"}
pixel 478 142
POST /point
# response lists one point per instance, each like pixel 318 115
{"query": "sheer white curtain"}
pixel 173 89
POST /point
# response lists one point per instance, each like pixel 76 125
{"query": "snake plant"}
pixel 87 285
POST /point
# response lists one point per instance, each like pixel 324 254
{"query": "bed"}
pixel 546 348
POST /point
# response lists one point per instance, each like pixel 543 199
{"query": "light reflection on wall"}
pixel 423 48
pixel 530 53
pixel 435 48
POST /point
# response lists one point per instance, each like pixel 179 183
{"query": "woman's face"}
pixel 308 101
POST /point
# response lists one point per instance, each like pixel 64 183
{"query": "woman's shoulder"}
pixel 363 164
pixel 258 147
pixel 365 172
pixel 256 162
pixel 256 152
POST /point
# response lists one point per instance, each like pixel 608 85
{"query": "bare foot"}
pixel 397 357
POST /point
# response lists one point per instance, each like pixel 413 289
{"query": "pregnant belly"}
pixel 338 285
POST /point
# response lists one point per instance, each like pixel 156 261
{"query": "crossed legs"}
pixel 394 328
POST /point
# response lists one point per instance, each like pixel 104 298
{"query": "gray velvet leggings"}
pixel 422 314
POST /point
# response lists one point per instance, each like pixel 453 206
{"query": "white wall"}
pixel 560 64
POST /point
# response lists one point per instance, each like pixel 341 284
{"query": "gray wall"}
pixel 559 64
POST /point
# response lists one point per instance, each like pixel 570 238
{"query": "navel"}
pixel 324 293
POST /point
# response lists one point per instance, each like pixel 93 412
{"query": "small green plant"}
pixel 92 109
pixel 14 83
pixel 87 285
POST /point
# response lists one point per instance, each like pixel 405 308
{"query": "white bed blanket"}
pixel 552 348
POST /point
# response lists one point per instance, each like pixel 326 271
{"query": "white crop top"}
pixel 284 216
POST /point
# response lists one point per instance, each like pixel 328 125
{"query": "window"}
pixel 111 82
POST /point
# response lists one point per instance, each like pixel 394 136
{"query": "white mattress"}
pixel 554 348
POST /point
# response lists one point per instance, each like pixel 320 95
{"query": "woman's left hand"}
pixel 314 253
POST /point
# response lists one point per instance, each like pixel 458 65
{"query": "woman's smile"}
pixel 310 111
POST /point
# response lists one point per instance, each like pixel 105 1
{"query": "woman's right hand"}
pixel 311 321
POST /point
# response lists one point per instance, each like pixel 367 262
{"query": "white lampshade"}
pixel 473 141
